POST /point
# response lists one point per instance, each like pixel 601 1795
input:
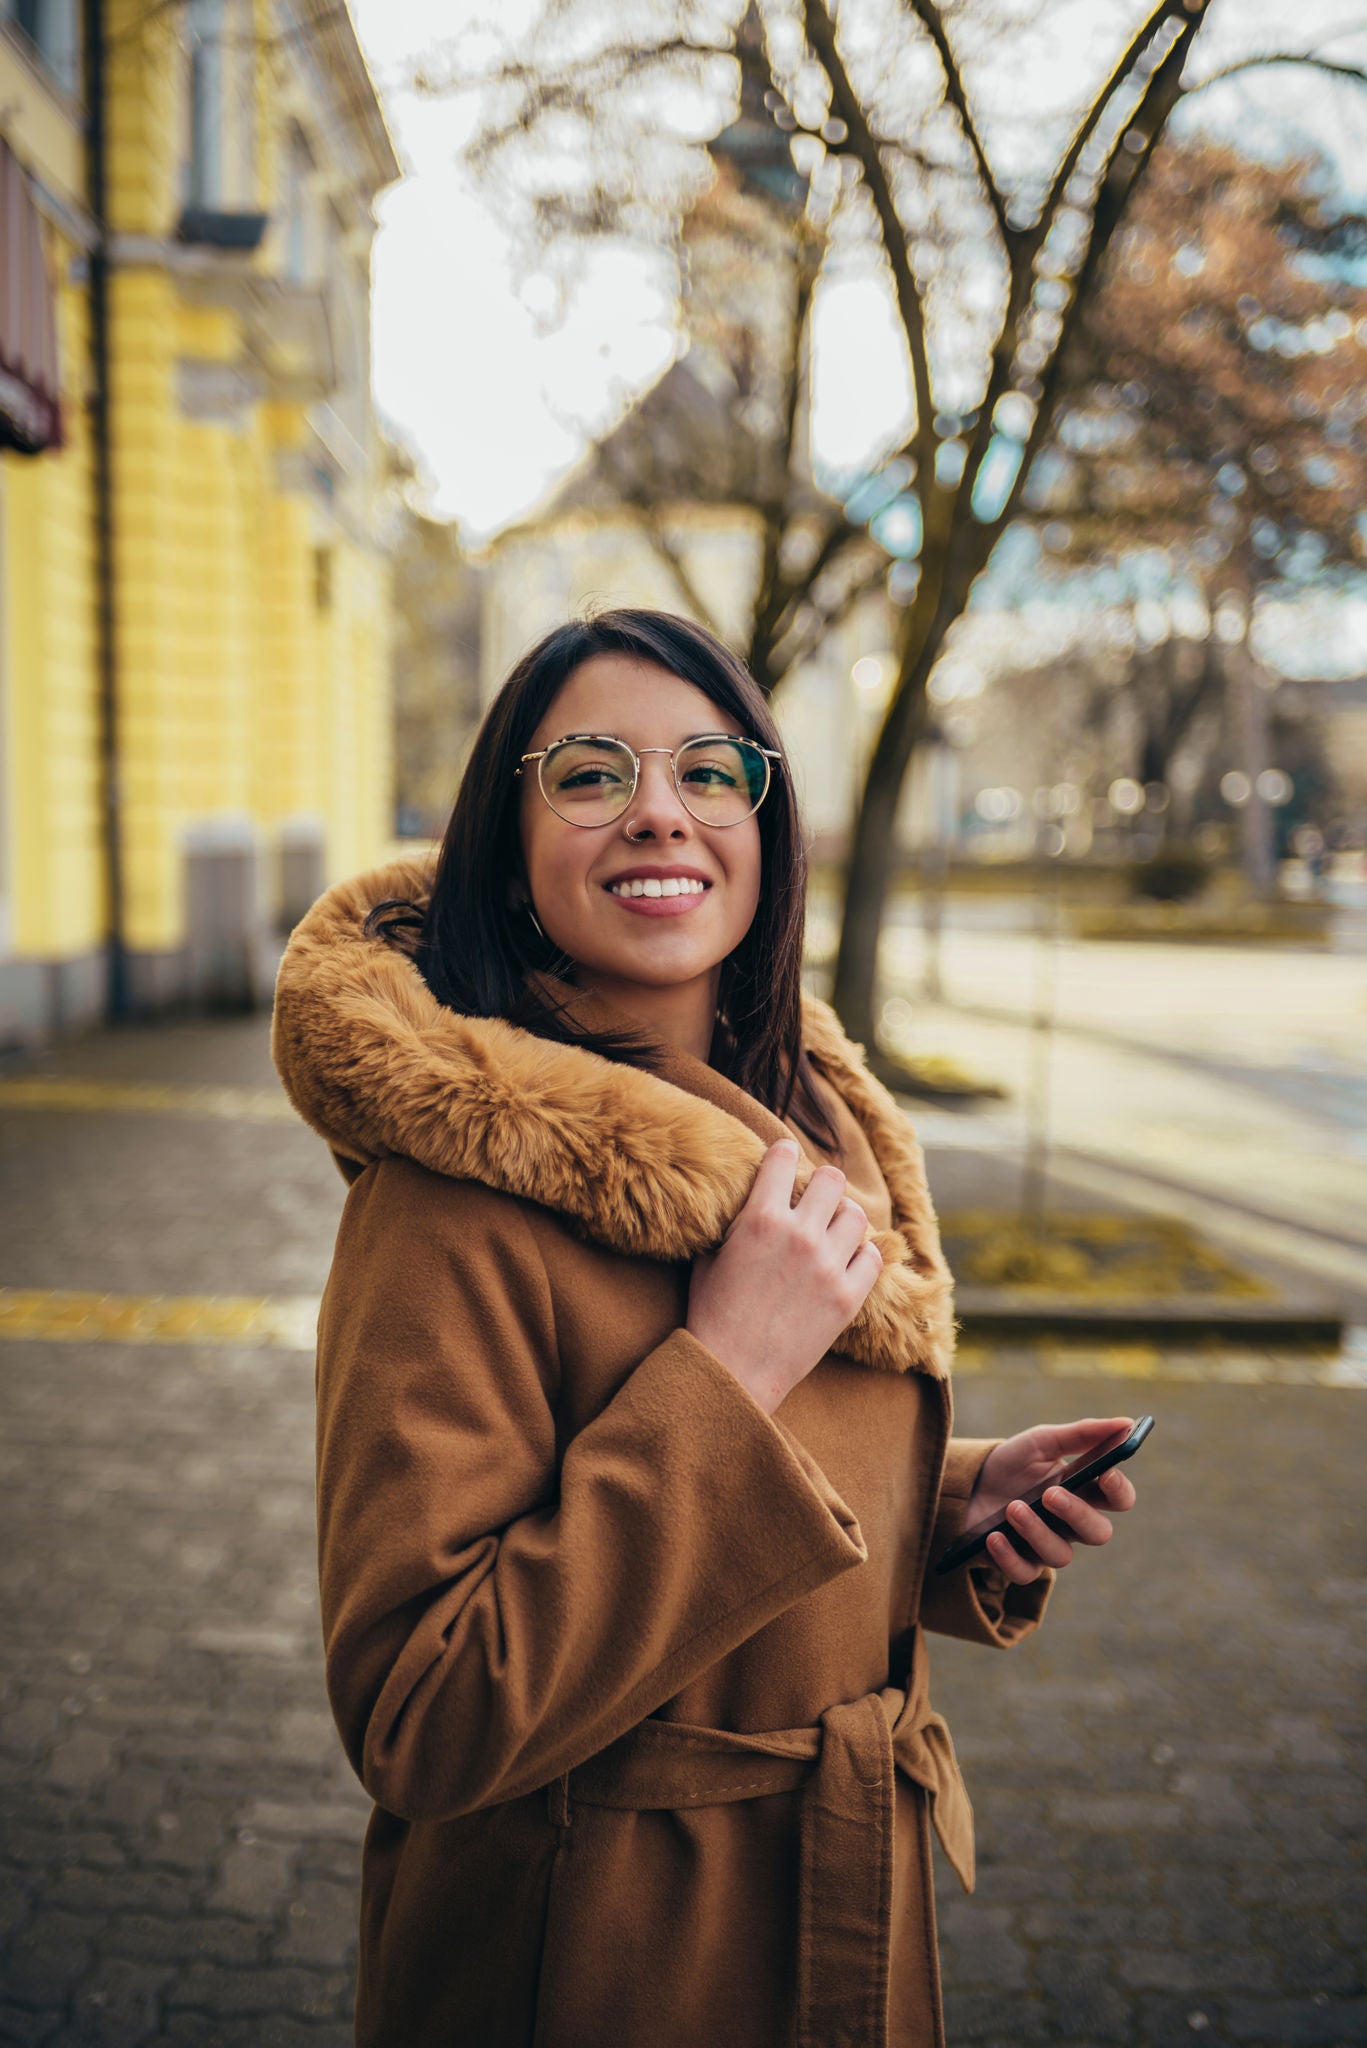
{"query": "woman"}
pixel 634 1411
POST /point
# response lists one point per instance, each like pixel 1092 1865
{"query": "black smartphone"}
pixel 1074 1477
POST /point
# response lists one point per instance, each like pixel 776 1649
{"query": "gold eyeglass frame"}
pixel 767 753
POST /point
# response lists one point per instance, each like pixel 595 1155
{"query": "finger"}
pixel 773 1183
pixel 846 1228
pixel 1087 1523
pixel 863 1268
pixel 1112 1491
pixel 1047 1544
pixel 1073 1439
pixel 821 1197
pixel 1020 1570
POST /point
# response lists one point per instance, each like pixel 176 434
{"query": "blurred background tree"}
pixel 1212 421
pixel 435 654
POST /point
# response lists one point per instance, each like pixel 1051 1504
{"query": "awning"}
pixel 30 413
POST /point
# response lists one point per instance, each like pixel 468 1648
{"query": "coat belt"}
pixel 845 1765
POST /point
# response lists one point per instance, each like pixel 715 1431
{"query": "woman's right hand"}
pixel 785 1281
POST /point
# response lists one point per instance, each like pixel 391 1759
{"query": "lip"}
pixel 658 906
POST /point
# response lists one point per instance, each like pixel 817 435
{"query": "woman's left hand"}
pixel 1020 1463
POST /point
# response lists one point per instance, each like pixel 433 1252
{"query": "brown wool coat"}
pixel 635 1673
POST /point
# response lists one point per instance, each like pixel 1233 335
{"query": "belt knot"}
pixel 845 1766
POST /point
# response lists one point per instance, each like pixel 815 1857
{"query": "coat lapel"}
pixel 655 1164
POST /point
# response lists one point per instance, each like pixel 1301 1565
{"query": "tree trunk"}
pixel 1247 702
pixel 873 848
pixel 759 659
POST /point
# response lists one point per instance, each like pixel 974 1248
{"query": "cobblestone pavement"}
pixel 1168 1779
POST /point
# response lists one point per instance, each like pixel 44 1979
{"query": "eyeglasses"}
pixel 589 778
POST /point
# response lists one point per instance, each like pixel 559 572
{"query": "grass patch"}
pixel 1095 1258
pixel 1211 924
pixel 931 1077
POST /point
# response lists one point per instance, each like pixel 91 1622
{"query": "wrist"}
pixel 766 1394
pixel 982 1498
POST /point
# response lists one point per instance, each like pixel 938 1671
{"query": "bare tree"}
pixel 1052 249
pixel 878 111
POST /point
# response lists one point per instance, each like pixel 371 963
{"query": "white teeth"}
pixel 653 886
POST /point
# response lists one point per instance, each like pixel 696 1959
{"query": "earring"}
pixel 527 906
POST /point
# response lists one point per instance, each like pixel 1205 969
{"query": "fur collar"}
pixel 636 1161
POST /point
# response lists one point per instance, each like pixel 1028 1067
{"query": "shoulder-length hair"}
pixel 475 952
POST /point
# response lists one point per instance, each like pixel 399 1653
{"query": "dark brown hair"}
pixel 474 951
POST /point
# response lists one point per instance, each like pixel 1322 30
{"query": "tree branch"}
pixel 1161 95
pixel 864 146
pixel 1022 250
pixel 839 536
pixel 651 521
pixel 626 59
pixel 1123 71
pixel 928 13
pixel 1357 72
pixel 578 85
pixel 772 594
pixel 867 580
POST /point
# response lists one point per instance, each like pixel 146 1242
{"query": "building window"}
pixel 204 27
pixel 299 207
pixel 220 160
pixel 50 28
pixel 322 579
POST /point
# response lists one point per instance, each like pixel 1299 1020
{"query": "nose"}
pixel 656 811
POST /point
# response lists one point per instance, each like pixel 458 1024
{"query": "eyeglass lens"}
pixel 591 782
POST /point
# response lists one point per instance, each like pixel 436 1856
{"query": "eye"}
pixel 594 776
pixel 711 774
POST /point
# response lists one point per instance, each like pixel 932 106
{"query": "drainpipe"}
pixel 111 795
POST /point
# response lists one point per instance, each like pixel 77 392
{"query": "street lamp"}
pixel 1126 796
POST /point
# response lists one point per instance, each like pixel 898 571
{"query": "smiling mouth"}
pixel 673 885
pixel 659 899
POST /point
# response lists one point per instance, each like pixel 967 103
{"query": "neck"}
pixel 683 1013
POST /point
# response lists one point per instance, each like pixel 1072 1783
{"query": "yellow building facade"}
pixel 194 586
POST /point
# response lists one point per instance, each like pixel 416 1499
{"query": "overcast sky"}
pixel 496 409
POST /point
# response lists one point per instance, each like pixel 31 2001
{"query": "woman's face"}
pixel 659 942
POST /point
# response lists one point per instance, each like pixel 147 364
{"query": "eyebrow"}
pixel 710 733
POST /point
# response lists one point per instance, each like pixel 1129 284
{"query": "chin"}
pixel 659 973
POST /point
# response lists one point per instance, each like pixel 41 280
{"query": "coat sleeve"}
pixel 978 1603
pixel 493 1613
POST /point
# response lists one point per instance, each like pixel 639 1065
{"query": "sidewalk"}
pixel 1169 1781
pixel 1224 1087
